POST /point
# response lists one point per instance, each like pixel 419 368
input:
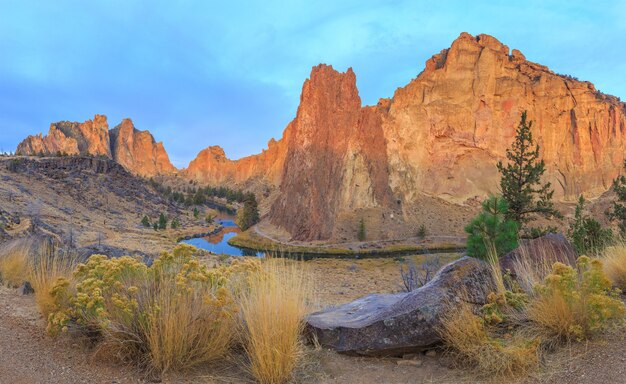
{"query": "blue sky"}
pixel 200 73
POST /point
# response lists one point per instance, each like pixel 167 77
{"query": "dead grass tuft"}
pixel 272 315
pixel 615 265
pixel 470 342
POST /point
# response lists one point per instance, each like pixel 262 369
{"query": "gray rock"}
pixel 551 248
pixel 395 324
pixel 25 289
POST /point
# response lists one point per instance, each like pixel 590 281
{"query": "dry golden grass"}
pixel 530 273
pixel 185 330
pixel 14 268
pixel 465 334
pixel 46 266
pixel 614 262
pixel 39 263
pixel 273 314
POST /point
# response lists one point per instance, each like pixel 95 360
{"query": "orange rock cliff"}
pixel 136 150
pixel 439 137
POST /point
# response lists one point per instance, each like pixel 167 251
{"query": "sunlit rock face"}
pixel 440 136
pixel 436 141
pixel 138 152
pixel 72 138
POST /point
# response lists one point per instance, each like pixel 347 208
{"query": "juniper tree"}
pixel 521 184
pixel 145 222
pixel 618 211
pixel 361 232
pixel 162 221
pixel 586 233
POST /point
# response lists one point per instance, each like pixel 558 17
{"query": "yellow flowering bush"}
pixel 574 303
pixel 177 312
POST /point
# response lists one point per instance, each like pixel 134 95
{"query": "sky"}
pixel 229 73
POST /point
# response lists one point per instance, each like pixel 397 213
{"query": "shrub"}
pixel 361 232
pixel 162 221
pixel 272 313
pixel 470 341
pixel 587 234
pixel 614 263
pixel 414 277
pixel 571 304
pixel 145 222
pixel 421 232
pixel 491 227
pixel 174 315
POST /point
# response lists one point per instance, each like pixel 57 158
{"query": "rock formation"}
pixel 71 138
pixel 434 143
pixel 440 137
pixel 136 150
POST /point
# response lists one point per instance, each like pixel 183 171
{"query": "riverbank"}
pixel 251 240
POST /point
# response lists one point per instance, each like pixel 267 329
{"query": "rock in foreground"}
pixel 393 324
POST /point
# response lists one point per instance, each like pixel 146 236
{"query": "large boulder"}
pixel 543 250
pixel 394 324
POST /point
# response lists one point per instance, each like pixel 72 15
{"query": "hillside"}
pixel 92 202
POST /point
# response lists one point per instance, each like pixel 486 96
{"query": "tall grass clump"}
pixel 48 265
pixel 473 344
pixel 14 268
pixel 171 316
pixel 272 314
pixel 614 262
pixel 38 261
pixel 573 303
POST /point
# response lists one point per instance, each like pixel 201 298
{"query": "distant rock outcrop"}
pixel 136 150
pixel 71 138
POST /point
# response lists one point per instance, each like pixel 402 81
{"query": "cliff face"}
pixel 211 166
pixel 434 143
pixel 440 136
pixel 448 127
pixel 136 150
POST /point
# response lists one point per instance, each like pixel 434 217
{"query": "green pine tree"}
pixel 586 233
pixel 521 183
pixel 361 233
pixel 145 222
pixel 618 210
pixel 249 214
pixel 491 229
pixel 175 223
pixel 162 221
pixel 196 213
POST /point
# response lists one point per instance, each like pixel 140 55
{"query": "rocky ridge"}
pixel 136 150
